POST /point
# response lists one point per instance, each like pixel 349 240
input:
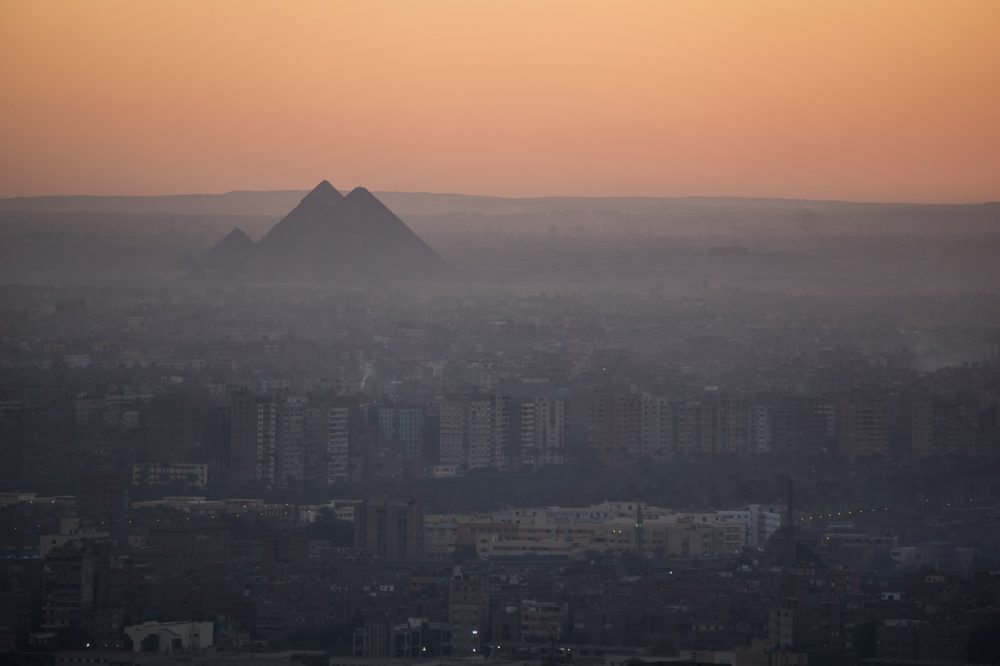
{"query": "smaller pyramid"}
pixel 234 253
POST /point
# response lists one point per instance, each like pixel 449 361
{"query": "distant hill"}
pixel 231 203
pixel 459 212
pixel 328 236
pixel 278 202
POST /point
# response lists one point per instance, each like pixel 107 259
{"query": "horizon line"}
pixel 887 202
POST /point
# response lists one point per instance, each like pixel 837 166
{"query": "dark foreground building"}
pixel 391 529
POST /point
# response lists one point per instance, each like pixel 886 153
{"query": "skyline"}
pixel 888 101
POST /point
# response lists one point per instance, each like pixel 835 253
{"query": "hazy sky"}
pixel 858 100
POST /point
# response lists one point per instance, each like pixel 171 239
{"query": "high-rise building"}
pixel 290 433
pixel 803 424
pixel 524 444
pixel 475 431
pixel 731 434
pixel 500 436
pixel 337 447
pixel 615 423
pixel 391 529
pixel 316 425
pixel 468 611
pixel 694 427
pixel 952 426
pixel 919 417
pixel 538 432
pixel 87 414
pixel 549 436
pixel 252 438
pixel 267 450
pixel 406 426
pixel 451 428
pixel 69 578
pixel 864 424
pixel 657 428
pixel 479 432
pixel 987 423
pixel 758 429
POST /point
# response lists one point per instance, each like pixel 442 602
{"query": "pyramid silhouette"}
pixel 332 237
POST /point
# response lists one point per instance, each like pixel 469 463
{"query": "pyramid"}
pixel 234 253
pixel 294 231
pixel 330 237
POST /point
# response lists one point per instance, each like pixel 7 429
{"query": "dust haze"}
pixel 336 426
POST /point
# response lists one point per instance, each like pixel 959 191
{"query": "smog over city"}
pixel 554 333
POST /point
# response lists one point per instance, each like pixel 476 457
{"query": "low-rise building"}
pixel 170 636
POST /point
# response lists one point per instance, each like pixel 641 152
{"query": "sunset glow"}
pixel 834 100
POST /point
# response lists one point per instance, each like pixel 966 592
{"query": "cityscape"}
pixel 406 391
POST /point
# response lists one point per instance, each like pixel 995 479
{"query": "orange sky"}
pixel 860 100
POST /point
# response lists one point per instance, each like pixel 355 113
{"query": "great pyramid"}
pixel 330 237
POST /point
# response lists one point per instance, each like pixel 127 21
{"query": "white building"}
pixel 170 636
